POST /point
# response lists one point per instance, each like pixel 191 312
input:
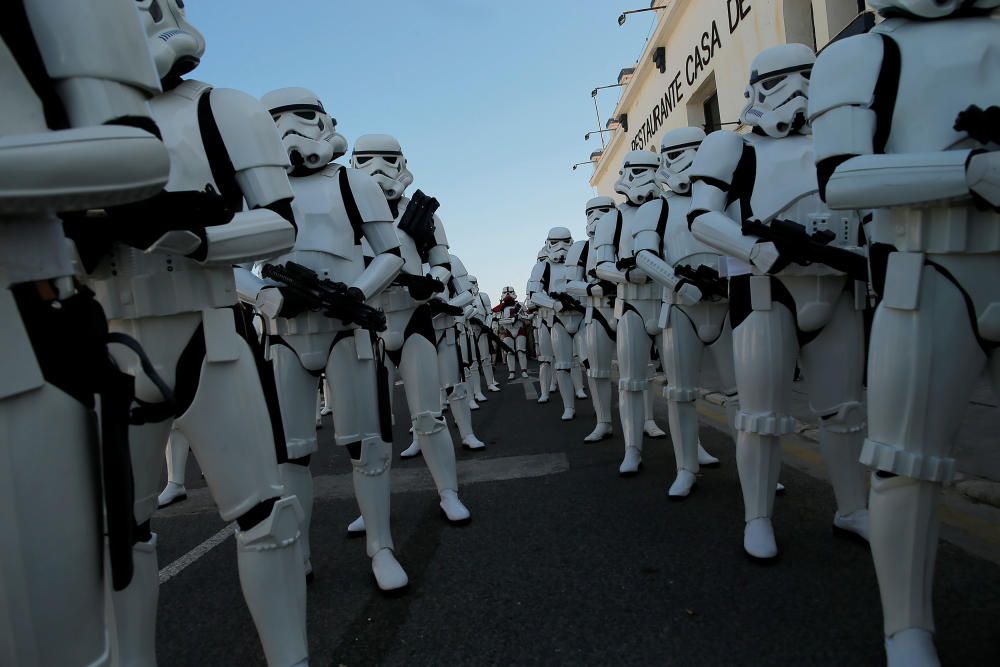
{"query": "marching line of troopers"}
pixel 184 263
pixel 871 175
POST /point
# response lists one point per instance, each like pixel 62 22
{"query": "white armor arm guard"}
pixel 535 291
pixel 259 160
pixel 607 252
pixel 379 231
pixel 579 288
pixel 438 256
pixel 852 174
pixel 248 236
pixel 98 80
pixel 711 177
pixel 460 277
pixel 462 299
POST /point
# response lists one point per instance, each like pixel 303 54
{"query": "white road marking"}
pixel 341 487
pixel 175 568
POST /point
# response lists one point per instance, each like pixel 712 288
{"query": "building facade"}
pixel 696 63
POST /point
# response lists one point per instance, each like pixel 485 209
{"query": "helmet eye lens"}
pixel 392 160
pixel 362 159
pixel 308 115
pixel 674 155
pixel 770 84
pixel 155 11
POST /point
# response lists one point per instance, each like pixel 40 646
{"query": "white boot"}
pixel 356 528
pixel 172 493
pixel 602 431
pixel 631 463
pixel 439 455
pixel 463 418
pixel 758 461
pixel 473 405
pixel 269 559
pixel 904 541
pixel 682 486
pixel 544 380
pixel 565 382
pixel 911 648
pixel 847 476
pixel 371 488
pixel 481 397
pixel 705 459
pixel 652 430
pixel 577 374
pixel 134 609
pixel 758 539
pixel 412 450
pixel 568 414
pixel 177 454
pixel 299 483
pixel 855 523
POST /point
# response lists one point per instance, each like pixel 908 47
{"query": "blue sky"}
pixel 490 100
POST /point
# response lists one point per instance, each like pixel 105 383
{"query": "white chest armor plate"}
pixel 633 291
pixel 559 275
pixel 963 68
pixel 679 244
pixel 131 283
pixel 324 243
pixel 785 188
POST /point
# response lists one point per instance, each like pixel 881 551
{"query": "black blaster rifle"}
pixel 490 335
pixel 568 302
pixel 421 287
pixel 418 221
pixel 796 244
pixel 705 278
pixel 442 307
pixel 323 294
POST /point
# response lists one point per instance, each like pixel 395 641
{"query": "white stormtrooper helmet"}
pixel 677 150
pixel 558 244
pixel 596 208
pixel 473 283
pixel 307 131
pixel 508 292
pixel 778 92
pixel 637 177
pixel 543 254
pixel 381 157
pixel 929 9
pixel 175 44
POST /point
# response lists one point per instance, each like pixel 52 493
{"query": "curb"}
pixel 974 488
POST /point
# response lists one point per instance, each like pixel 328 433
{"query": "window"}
pixel 713 118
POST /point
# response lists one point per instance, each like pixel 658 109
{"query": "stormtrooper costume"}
pixel 542 322
pixel 335 207
pixel 450 361
pixel 934 171
pixel 779 310
pixel 637 305
pixel 410 342
pixel 564 321
pixel 599 322
pixel 512 319
pixel 481 362
pixel 167 280
pixel 692 320
pixel 88 144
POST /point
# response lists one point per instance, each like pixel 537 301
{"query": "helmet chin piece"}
pixel 175 45
pixel 786 119
pixel 339 144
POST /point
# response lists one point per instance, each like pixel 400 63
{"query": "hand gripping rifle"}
pixel 568 302
pixel 490 335
pixel 705 278
pixel 421 287
pixel 795 244
pixel 442 307
pixel 323 294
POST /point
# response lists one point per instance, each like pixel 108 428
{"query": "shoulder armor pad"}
pixel 845 75
pixel 604 234
pixel 457 267
pixel 250 135
pixel 717 158
pixel 648 215
pixel 368 197
pixel 575 253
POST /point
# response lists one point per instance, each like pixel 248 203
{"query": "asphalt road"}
pixel 565 562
